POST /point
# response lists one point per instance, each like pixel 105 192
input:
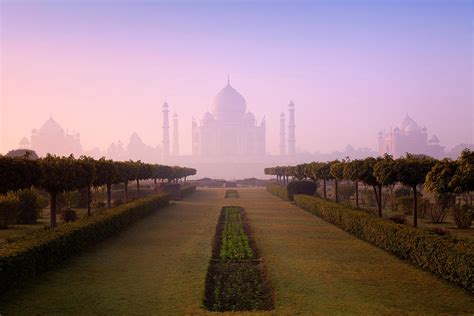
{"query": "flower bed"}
pixel 231 194
pixel 236 278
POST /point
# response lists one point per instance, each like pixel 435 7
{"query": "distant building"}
pixel 408 137
pixel 138 150
pixel 229 130
pixel 51 138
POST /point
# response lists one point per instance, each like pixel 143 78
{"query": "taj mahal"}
pixel 229 129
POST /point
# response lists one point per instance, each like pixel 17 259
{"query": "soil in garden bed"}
pixel 237 285
pixel 231 194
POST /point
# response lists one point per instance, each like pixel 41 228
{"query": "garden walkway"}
pixel 158 267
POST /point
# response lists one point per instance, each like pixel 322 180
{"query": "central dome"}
pixel 228 104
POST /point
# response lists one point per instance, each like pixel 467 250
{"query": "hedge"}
pixel 300 187
pixel 188 189
pixel 447 257
pixel 279 191
pixel 27 258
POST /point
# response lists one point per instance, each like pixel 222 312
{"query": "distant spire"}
pixel 228 80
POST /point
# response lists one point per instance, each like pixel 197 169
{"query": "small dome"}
pixel 228 104
pixel 165 105
pixel 24 142
pixel 51 127
pixel 207 118
pixel 434 140
pixel 250 118
pixel 409 125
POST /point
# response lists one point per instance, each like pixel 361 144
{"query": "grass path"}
pixel 317 268
pixel 158 267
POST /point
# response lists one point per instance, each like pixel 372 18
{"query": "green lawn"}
pixel 159 265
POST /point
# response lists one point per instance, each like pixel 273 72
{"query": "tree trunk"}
pixel 377 200
pixel 138 189
pixel 109 195
pixel 88 200
pixel 336 191
pixel 415 211
pixel 324 188
pixel 53 207
pixel 126 191
pixel 380 202
pixel 357 194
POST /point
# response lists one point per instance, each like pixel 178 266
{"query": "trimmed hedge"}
pixel 188 189
pixel 300 187
pixel 279 191
pixel 446 257
pixel 27 258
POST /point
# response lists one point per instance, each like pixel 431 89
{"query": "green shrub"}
pixel 69 215
pixel 9 205
pixel 447 257
pixel 31 256
pixel 279 191
pixel 187 189
pixel 300 187
pixel 345 191
pixel 398 218
pixel 29 208
pixel 462 216
pixel 402 191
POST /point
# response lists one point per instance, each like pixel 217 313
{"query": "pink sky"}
pixel 105 70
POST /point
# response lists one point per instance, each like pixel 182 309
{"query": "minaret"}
pixel 282 135
pixel 291 130
pixel 166 133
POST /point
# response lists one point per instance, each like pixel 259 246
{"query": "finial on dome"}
pixel 228 80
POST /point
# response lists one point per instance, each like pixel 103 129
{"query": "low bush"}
pixel 31 256
pixel 438 231
pixel 187 189
pixel 300 187
pixel 398 218
pixel 231 194
pixel 439 210
pixel 30 205
pixel 446 257
pixel 402 191
pixel 69 215
pixel 9 205
pixel 234 241
pixel 278 190
pixel 462 216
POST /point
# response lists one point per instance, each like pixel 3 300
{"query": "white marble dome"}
pixel 228 105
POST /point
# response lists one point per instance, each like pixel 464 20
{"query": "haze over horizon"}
pixel 352 68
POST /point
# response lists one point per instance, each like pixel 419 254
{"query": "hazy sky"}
pixel 104 68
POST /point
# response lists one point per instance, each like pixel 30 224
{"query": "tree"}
pixel 17 173
pixel 87 177
pixel 337 173
pixel 353 171
pixel 463 180
pixel 324 173
pixel 385 172
pixel 367 176
pixel 58 174
pixel 106 174
pixel 412 171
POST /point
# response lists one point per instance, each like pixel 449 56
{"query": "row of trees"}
pixel 441 177
pixel 61 174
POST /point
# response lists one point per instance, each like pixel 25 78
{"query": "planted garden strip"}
pixel 231 194
pixel 236 279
